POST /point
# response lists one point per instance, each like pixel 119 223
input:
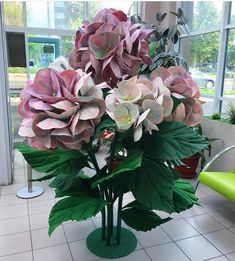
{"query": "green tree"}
pixel 204 47
pixel 13 13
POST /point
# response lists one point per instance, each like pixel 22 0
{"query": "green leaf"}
pixel 67 173
pixel 137 205
pixel 152 185
pixel 47 161
pixel 131 162
pixel 74 208
pixel 142 220
pixel 104 124
pixel 152 50
pixel 173 141
pixel 183 195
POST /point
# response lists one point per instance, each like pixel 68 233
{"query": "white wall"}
pixel 5 130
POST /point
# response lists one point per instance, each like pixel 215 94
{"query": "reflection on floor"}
pixel 201 233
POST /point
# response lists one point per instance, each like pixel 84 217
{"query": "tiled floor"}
pixel 201 233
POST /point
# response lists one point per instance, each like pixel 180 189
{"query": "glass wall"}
pixel 209 49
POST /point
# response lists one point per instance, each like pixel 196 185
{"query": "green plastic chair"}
pixel 222 182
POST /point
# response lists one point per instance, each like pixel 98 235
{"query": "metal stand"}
pixel 30 191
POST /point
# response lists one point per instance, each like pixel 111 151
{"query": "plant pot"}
pixel 189 171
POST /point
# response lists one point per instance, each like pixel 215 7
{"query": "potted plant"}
pixel 151 117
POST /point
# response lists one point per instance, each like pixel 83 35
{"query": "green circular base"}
pixel 128 243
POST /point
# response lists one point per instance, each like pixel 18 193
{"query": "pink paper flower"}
pixel 60 109
pixel 111 47
pixel 182 86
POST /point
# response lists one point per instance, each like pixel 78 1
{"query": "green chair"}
pixel 222 182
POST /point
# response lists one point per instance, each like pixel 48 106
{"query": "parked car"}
pixel 202 79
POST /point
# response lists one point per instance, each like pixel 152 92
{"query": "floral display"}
pixel 150 118
pixel 60 109
pixel 111 47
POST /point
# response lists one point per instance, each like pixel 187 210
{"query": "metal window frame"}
pixel 223 43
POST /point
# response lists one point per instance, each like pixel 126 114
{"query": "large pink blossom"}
pixel 60 109
pixel 111 47
pixel 182 87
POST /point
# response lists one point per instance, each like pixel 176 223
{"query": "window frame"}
pixel 223 30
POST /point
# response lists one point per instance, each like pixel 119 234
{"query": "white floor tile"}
pixel 55 253
pixel 204 223
pixel 179 229
pixel 13 212
pixel 211 204
pixel 79 230
pixel 154 237
pixel 41 239
pixel 231 256
pixel 39 221
pixel 11 199
pixel 11 189
pixel 138 255
pixel 198 248
pixel 80 252
pixel 225 217
pixel 12 226
pixel 193 211
pixel 169 252
pixel 39 207
pixel 16 243
pixel 224 240
pixel 26 256
pixel 221 258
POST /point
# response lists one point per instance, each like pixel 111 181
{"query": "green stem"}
pixel 103 212
pixel 110 207
pixel 119 220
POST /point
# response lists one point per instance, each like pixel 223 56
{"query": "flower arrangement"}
pixel 152 118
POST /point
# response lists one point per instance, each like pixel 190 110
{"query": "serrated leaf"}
pixel 67 174
pixel 142 220
pixel 173 141
pixel 131 162
pixel 183 195
pixel 152 185
pixel 74 208
pixel 47 161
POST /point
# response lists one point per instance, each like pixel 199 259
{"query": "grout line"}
pixel 30 231
pixel 17 253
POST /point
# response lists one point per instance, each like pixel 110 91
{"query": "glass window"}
pixel 13 13
pixel 229 78
pixel 60 15
pixel 66 45
pixel 201 53
pixel 203 15
pixel 232 15
pixel 95 6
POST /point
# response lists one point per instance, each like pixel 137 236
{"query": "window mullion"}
pixel 221 58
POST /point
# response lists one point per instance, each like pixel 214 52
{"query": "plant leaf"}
pixel 142 220
pixel 173 141
pixel 47 161
pixel 104 124
pixel 183 195
pixel 74 208
pixel 152 185
pixel 131 162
